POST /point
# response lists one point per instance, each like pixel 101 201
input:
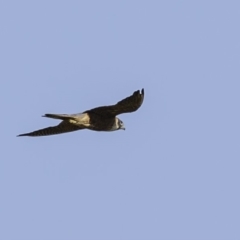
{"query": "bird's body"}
pixel 97 119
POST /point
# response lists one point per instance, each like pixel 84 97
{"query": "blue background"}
pixel 174 172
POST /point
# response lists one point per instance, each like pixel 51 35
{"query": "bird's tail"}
pixel 59 116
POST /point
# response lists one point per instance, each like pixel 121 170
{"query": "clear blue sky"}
pixel 174 172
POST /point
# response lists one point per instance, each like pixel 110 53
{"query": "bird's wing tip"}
pixel 22 135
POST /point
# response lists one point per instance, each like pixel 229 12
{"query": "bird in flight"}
pixel 97 119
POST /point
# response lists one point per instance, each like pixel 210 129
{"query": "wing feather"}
pixel 63 127
pixel 127 105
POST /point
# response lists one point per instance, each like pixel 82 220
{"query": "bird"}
pixel 97 119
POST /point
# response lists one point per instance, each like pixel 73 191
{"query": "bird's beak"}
pixel 123 128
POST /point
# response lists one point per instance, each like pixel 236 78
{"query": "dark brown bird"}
pixel 97 119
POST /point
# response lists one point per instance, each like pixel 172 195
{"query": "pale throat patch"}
pixel 115 125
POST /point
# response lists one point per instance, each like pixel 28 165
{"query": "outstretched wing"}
pixel 63 127
pixel 127 105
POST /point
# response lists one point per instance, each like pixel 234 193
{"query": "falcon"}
pixel 97 119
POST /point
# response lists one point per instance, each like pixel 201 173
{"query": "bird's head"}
pixel 119 124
